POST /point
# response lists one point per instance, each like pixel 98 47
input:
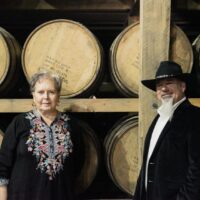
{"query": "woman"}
pixel 37 153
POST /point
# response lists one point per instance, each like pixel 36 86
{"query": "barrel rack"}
pixel 112 23
pixel 80 105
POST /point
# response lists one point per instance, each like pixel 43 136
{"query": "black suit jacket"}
pixel 174 166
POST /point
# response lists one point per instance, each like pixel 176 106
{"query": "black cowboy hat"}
pixel 166 69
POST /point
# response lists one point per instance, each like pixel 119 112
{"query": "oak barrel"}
pixel 10 63
pixel 69 49
pixel 122 153
pixel 91 157
pixel 125 58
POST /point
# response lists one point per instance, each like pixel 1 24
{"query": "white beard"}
pixel 166 108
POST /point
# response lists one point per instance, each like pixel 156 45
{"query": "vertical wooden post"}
pixel 154 40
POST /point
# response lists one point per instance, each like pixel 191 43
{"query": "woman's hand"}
pixel 3 192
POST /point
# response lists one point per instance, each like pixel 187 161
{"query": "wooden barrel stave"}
pixel 122 154
pixel 125 58
pixel 11 72
pixel 69 49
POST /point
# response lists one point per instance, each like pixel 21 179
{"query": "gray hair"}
pixel 48 75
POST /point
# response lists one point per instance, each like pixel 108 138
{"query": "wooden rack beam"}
pixel 80 105
pixel 74 105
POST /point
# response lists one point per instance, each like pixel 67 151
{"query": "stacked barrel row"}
pixel 72 50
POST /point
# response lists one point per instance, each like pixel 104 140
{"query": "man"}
pixel 171 160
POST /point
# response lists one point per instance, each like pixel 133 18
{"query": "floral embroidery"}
pixel 50 145
pixel 4 181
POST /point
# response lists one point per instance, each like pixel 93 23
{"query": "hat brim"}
pixel 151 83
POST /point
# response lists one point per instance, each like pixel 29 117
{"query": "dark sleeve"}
pixel 7 152
pixel 190 190
pixel 140 188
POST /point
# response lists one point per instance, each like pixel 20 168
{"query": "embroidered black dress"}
pixel 36 160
